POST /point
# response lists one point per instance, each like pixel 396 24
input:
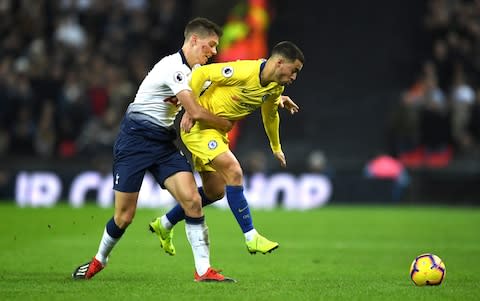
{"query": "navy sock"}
pixel 194 220
pixel 176 214
pixel 113 230
pixel 239 206
pixel 205 200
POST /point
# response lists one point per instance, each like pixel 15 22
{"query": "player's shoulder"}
pixel 245 63
pixel 172 61
pixel 171 64
pixel 239 68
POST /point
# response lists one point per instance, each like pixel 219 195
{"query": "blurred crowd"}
pixel 69 68
pixel 438 116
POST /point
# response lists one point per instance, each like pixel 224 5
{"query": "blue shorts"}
pixel 140 146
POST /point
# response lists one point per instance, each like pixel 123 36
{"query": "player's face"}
pixel 205 48
pixel 287 71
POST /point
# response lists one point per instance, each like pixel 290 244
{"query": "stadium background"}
pixel 360 60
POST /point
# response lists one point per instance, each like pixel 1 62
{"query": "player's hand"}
pixel 281 157
pixel 229 125
pixel 187 122
pixel 288 104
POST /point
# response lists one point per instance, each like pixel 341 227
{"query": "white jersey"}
pixel 156 96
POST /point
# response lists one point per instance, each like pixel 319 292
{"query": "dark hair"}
pixel 203 27
pixel 289 51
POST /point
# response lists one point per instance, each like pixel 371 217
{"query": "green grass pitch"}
pixel 331 253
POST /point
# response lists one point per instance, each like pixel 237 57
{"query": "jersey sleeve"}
pixel 225 74
pixel 271 123
pixel 177 78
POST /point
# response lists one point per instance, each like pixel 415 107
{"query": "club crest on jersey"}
pixel 179 77
pixel 212 144
pixel 227 71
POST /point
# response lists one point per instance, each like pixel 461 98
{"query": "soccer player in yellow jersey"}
pixel 235 90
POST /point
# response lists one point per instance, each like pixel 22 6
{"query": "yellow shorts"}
pixel 205 145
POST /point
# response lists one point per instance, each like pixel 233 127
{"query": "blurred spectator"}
pixel 447 120
pixel 317 163
pixel 64 63
pixel 166 22
pixel 22 131
pixel 45 135
pixel 437 19
pixel 121 91
pixel 99 134
pixel 74 112
pixel 70 33
pixel 462 100
pixel 435 127
pixel 474 124
pixel 386 167
pixel 443 63
pixel 404 131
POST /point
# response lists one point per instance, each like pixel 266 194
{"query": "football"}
pixel 427 269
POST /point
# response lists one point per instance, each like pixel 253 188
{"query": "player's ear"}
pixel 279 61
pixel 193 39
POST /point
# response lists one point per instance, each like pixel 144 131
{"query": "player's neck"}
pixel 188 56
pixel 266 74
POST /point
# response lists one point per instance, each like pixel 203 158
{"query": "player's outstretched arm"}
pixel 288 104
pixel 198 113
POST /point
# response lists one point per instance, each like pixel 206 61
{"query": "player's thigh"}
pixel 205 145
pixel 183 188
pixel 228 166
pixel 169 162
pixel 133 155
pixel 213 184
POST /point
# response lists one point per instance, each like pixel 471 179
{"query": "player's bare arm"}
pixel 288 104
pixel 198 113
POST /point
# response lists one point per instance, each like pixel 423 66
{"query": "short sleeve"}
pixel 178 78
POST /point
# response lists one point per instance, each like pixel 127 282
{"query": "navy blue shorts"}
pixel 141 146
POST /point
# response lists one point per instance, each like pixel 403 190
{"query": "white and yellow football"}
pixel 427 269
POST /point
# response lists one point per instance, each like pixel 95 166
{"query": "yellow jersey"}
pixel 235 91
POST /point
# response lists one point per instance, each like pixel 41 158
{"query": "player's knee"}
pixel 193 205
pixel 235 175
pixel 193 209
pixel 124 219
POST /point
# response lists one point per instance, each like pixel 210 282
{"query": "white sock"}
pixel 165 222
pixel 106 245
pixel 198 237
pixel 250 234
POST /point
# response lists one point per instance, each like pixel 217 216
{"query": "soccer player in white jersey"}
pixel 146 142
